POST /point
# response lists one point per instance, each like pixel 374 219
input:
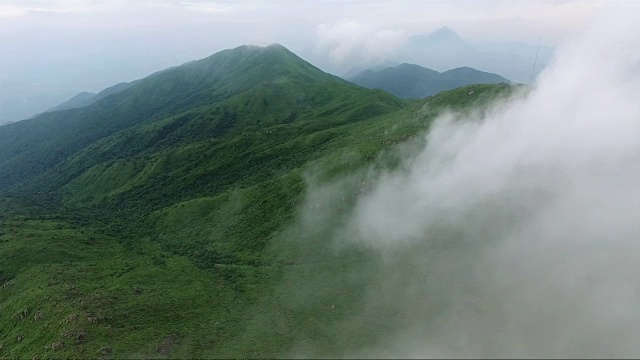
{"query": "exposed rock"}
pixel 105 350
pixel 92 318
pixel 24 313
pixel 72 317
pixel 81 337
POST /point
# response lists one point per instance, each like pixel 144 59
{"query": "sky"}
pixel 54 49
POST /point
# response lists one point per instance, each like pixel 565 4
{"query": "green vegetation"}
pixel 414 82
pixel 162 220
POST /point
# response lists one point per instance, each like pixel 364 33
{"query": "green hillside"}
pixel 163 220
pixel 415 82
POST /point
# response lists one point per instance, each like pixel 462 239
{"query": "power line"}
pixel 535 61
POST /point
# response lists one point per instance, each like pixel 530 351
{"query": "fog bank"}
pixel 517 234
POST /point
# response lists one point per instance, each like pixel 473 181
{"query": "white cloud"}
pixel 353 41
pixel 24 9
pixel 14 8
pixel 220 7
pixel 12 11
pixel 516 233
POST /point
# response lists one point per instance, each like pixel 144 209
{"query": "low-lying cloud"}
pixel 517 233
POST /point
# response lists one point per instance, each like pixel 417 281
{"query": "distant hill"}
pixel 85 98
pixel 356 70
pixel 80 100
pixel 413 81
pixel 443 37
pixel 445 49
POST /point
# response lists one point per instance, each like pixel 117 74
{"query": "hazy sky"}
pixel 56 48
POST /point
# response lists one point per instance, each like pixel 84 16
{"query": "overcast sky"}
pixel 65 46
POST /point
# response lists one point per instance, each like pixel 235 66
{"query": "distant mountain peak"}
pixel 445 30
pixel 439 36
pixel 444 33
pixel 414 81
pixel 273 47
pixel 407 65
pixel 276 46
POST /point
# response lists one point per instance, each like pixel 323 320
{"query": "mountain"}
pixel 413 81
pixel 80 100
pixel 85 99
pixel 441 50
pixel 444 49
pixel 442 37
pixel 243 74
pixel 354 71
pixel 160 220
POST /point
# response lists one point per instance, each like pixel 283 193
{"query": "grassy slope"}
pixel 71 291
pixel 193 263
pixel 34 146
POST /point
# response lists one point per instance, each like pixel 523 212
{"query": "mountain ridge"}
pixel 414 81
pixel 84 98
pixel 167 93
pixel 444 48
pixel 438 37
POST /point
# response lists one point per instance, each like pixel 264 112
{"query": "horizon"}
pixel 56 49
pixel 311 61
pixel 98 91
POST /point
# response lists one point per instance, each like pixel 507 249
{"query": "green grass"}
pixel 59 281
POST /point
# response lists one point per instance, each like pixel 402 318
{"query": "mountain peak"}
pixel 444 33
pixel 414 81
pixel 276 46
pixel 249 47
pixel 445 30
pixel 440 36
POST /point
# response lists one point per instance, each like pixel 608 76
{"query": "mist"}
pixel 512 232
pixel 355 43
